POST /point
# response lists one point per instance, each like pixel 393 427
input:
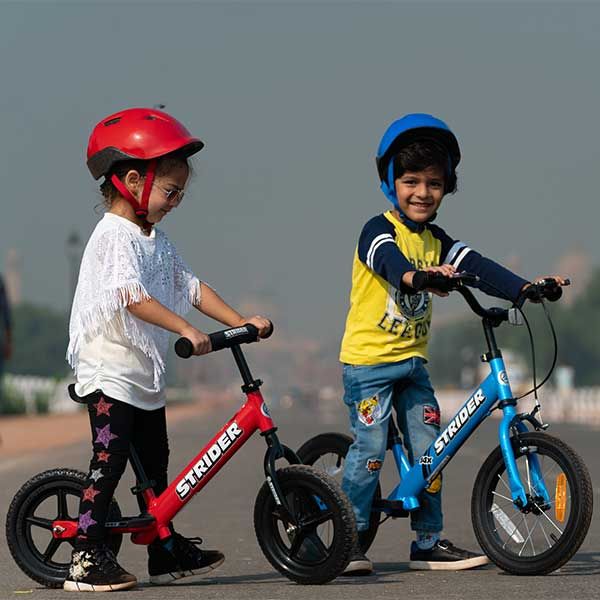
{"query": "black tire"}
pixel 319 549
pixel 542 540
pixel 29 524
pixel 327 452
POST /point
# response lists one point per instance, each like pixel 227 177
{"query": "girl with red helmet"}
pixel 133 289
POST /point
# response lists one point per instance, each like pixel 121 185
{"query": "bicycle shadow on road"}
pixel 225 580
pixel 276 578
pixel 582 564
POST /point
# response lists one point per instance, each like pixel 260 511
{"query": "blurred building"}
pixel 13 276
pixel 577 265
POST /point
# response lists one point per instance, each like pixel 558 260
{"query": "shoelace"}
pixel 106 560
pixel 188 545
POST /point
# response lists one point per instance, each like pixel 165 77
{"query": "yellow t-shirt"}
pixel 384 324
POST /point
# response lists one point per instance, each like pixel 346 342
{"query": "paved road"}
pixel 222 515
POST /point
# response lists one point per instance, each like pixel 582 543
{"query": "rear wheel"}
pixel 327 453
pixel 313 544
pixel 47 497
pixel 544 535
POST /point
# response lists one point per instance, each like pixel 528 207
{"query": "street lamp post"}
pixel 73 255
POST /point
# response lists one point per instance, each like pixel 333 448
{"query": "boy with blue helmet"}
pixel 384 348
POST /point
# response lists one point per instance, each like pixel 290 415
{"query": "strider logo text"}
pixel 474 402
pixel 209 459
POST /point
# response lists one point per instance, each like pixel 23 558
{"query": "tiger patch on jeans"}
pixel 369 411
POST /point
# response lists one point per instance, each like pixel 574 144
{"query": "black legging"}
pixel 114 426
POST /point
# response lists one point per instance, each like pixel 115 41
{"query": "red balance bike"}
pixel 303 522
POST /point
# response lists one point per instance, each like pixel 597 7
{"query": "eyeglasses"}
pixel 174 195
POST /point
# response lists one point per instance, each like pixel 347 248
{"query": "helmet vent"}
pixel 150 117
pixel 112 121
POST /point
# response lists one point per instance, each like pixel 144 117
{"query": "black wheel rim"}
pixel 44 549
pixel 39 553
pixel 309 540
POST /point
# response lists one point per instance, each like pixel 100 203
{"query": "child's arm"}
pixel 377 249
pixel 152 311
pixel 496 280
pixel 213 306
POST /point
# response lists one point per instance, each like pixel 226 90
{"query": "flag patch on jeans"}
pixel 431 415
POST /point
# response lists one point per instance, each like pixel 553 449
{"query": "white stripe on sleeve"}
pixel 456 248
pixel 462 254
pixel 378 241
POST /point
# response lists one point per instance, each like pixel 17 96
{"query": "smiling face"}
pixel 167 192
pixel 420 193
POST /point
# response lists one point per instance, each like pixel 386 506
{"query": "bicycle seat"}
pixel 82 399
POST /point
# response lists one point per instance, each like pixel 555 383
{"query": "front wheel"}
pixel 314 547
pixel 545 534
pixel 49 496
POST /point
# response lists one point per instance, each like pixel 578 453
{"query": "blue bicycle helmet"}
pixel 404 131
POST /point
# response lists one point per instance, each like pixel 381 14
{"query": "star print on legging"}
pixel 89 493
pixel 104 436
pixel 85 521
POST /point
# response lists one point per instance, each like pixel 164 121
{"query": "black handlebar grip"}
pixel 550 290
pixel 184 348
pixel 232 337
pixel 419 281
pixel 225 338
pixel 423 280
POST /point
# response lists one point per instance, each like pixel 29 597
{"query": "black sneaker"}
pixel 444 556
pixel 97 570
pixel 359 565
pixel 183 559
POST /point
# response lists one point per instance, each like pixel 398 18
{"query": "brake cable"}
pixel 536 387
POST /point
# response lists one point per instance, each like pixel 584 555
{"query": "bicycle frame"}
pixel 252 416
pixel 494 389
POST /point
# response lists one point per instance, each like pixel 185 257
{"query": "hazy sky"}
pixel 291 100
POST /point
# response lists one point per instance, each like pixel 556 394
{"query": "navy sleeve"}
pixel 504 283
pixel 377 249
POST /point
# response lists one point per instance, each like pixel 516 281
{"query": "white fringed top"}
pixel 109 348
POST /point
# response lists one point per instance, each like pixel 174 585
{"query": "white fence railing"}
pixel 53 393
pixel 577 406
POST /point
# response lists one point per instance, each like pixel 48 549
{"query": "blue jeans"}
pixel 369 393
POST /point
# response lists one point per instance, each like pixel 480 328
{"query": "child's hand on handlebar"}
pixel 446 271
pixel 264 326
pixel 560 280
pixel 200 340
pixel 548 286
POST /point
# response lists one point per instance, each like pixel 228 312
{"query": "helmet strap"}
pixel 142 210
pixel 141 207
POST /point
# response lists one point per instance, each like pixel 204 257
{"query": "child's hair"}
pixel 163 166
pixel 424 153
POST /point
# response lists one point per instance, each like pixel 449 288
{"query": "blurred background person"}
pixel 5 332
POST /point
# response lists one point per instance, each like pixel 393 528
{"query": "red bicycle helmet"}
pixel 137 133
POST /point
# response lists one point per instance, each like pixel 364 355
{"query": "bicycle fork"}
pixel 536 486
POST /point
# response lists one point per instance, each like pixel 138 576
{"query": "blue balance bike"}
pixel 531 504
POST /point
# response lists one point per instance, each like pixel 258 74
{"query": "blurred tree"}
pixel 40 338
pixel 577 327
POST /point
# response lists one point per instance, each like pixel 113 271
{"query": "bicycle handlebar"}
pixel 547 289
pixel 226 338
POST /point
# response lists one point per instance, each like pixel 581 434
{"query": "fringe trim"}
pixel 188 300
pixel 109 305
